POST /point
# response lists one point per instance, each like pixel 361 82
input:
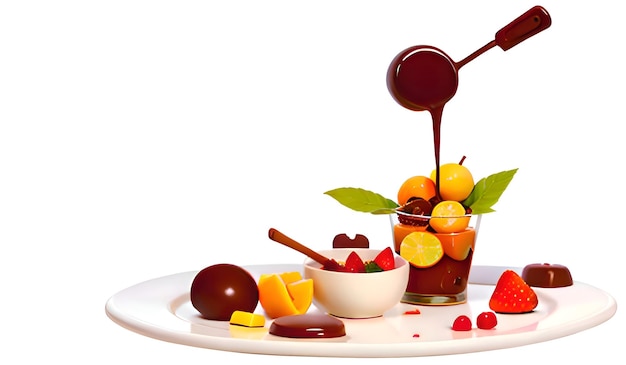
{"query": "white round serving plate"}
pixel 161 309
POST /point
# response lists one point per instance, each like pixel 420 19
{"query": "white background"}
pixel 140 139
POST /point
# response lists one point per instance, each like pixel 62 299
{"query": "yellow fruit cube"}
pixel 247 319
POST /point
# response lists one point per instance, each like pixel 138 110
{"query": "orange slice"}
pixel 402 230
pixel 421 249
pixel 285 294
pixel 458 245
pixel 301 292
pixel 449 217
pixel 290 277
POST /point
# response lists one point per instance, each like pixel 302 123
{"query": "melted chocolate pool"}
pixel 308 326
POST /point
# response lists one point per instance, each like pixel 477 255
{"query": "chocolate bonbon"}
pixel 219 290
pixel 343 241
pixel 547 275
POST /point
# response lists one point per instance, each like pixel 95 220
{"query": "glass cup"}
pixel 444 283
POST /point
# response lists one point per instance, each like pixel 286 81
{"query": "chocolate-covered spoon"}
pixel 329 264
pixel 425 78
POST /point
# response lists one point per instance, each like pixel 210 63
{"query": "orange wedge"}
pixel 285 294
pixel 421 249
pixel 301 292
pixel 290 277
pixel 449 217
pixel 458 245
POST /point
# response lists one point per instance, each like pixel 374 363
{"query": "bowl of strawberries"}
pixel 364 283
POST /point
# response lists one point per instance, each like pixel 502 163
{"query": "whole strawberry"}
pixel 512 295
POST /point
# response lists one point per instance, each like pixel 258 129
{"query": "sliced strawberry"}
pixel 512 295
pixel 385 259
pixel 354 263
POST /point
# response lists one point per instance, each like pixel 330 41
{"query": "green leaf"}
pixel 372 267
pixel 363 200
pixel 488 191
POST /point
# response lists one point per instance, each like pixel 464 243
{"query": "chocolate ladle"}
pixel 425 78
pixel 327 263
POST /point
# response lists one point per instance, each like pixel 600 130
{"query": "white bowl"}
pixel 356 295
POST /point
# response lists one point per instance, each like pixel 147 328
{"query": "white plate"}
pixel 161 309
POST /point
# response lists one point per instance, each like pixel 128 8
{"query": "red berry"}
pixel 486 320
pixel 385 259
pixel 462 323
pixel 414 311
pixel 354 263
pixel 512 295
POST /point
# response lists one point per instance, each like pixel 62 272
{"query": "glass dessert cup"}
pixel 445 282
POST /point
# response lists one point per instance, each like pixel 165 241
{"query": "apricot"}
pixel 455 181
pixel 416 187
